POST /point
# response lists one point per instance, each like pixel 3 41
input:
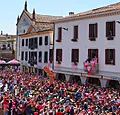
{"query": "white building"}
pixel 88 34
pixel 35 40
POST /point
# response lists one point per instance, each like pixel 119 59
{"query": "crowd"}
pixel 25 94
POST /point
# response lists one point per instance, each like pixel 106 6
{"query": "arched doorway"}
pixel 61 77
pixel 93 81
pixel 75 79
pixel 113 84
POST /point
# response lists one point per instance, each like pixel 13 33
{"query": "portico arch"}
pixel 61 77
pixel 93 81
pixel 113 84
pixel 75 78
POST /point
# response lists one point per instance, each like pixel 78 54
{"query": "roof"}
pixel 3 36
pixel 42 22
pixel 43 18
pixel 41 26
pixel 104 9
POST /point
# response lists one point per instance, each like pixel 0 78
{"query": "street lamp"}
pixel 65 29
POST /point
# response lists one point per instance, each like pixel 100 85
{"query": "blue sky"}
pixel 10 9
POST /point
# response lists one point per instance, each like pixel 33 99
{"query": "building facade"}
pixel 87 35
pixel 35 41
pixel 7 46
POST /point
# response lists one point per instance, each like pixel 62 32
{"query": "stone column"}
pixel 103 82
pixel 83 80
pixel 67 77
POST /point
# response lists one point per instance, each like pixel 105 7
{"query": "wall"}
pixel 84 44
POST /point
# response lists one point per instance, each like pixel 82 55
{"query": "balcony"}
pixel 92 67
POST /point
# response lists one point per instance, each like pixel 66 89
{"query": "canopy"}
pixel 14 61
pixel 2 62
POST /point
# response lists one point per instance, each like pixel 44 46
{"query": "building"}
pixel 94 33
pixel 7 46
pixel 35 40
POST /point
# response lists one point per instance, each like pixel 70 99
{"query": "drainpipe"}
pixel 53 44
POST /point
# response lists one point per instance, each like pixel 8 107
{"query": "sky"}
pixel 10 9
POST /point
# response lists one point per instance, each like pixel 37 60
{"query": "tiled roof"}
pixel 43 26
pixel 111 7
pixel 43 18
pixel 43 22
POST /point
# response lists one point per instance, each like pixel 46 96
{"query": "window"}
pixel 51 55
pixel 60 33
pixel 22 55
pixel 45 57
pixel 92 53
pixel 58 54
pixel 40 56
pixel 22 42
pixel 46 40
pixel 35 42
pixel 93 30
pixel 26 42
pixel 26 56
pixel 75 32
pixel 40 40
pixel 110 29
pixel 75 55
pixel 110 56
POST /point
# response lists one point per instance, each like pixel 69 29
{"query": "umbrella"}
pixel 14 61
pixel 2 62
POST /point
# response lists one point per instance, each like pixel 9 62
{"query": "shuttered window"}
pixel 40 56
pixel 45 57
pixel 92 53
pixel 46 40
pixel 59 33
pixel 110 56
pixel 26 56
pixel 75 32
pixel 22 55
pixel 110 29
pixel 59 54
pixel 40 41
pixel 93 30
pixel 22 42
pixel 51 55
pixel 75 55
pixel 26 42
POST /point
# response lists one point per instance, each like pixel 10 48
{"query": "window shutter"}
pixel 56 54
pixel 97 53
pixel 107 29
pixel 106 56
pixel 113 28
pixel 96 30
pixel 113 56
pixel 59 33
pixel 75 32
pixel 89 53
pixel 60 55
pixel 77 51
pixel 51 54
pixel 72 56
pixel 90 30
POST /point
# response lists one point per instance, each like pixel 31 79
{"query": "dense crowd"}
pixel 25 94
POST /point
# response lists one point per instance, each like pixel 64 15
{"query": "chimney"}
pixel 6 35
pixel 18 19
pixel 1 32
pixel 33 15
pixel 71 13
pixel 25 7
